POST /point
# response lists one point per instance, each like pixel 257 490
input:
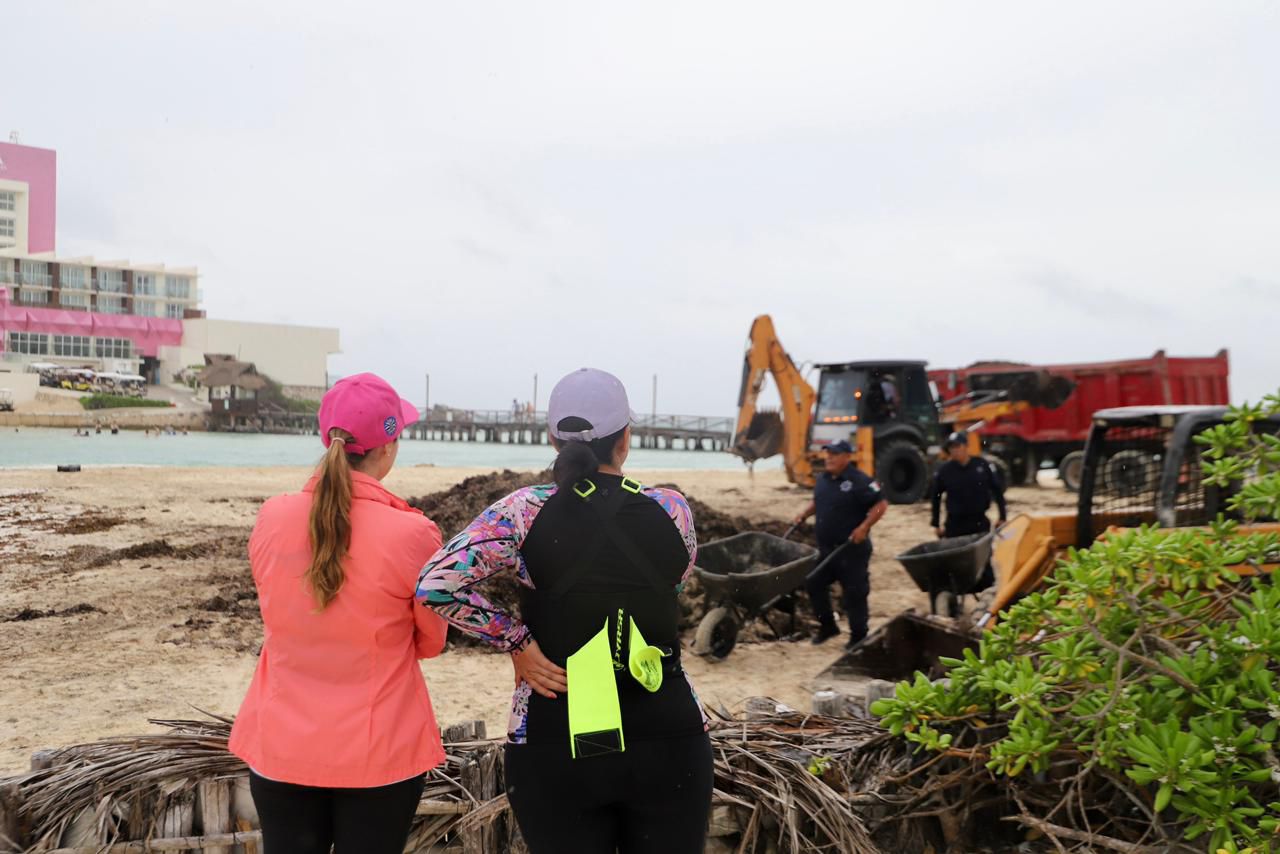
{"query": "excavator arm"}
pixel 762 434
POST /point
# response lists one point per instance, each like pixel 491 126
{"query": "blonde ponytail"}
pixel 330 520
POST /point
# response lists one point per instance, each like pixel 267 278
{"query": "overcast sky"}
pixel 485 191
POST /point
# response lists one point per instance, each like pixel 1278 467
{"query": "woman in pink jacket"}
pixel 337 727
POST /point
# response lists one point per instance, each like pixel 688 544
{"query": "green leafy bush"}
pixel 115 401
pixel 1141 682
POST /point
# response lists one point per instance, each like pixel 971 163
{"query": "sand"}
pixel 145 574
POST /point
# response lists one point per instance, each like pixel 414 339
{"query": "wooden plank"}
pixel 244 827
pixel 178 819
pixel 724 822
pixel 214 798
pixel 442 808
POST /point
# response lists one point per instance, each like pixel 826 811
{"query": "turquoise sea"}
pixel 43 448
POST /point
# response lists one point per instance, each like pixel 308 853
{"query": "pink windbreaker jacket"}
pixel 338 699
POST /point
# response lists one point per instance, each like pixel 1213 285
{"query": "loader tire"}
pixel 902 471
pixel 1071 470
pixel 1131 473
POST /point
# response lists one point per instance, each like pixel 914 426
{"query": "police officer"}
pixel 848 503
pixel 969 483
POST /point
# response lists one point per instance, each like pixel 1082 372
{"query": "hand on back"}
pixel 542 674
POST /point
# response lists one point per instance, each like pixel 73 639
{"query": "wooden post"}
pixel 461 733
pixel 473 841
pixel 10 828
pixel 42 759
pixel 178 818
pixel 215 811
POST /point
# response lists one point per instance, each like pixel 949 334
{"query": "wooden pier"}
pixel 666 432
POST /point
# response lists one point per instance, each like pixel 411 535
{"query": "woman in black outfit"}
pixel 607 746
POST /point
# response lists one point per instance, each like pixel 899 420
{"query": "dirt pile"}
pixel 453 509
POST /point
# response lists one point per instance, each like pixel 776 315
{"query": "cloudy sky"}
pixel 487 191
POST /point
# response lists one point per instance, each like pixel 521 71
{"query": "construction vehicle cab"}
pixel 887 411
pixel 1142 466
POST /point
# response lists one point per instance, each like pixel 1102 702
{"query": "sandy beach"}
pixel 127 596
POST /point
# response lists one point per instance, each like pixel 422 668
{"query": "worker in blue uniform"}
pixel 847 503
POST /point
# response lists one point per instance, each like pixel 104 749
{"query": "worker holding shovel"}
pixel 848 504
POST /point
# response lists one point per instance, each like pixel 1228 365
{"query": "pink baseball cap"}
pixel 368 408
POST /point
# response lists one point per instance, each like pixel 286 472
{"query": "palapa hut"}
pixel 233 391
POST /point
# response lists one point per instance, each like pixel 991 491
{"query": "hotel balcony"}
pixel 32 296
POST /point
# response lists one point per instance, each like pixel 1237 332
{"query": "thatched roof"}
pixel 222 371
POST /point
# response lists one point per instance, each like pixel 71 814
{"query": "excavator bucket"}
pixel 762 438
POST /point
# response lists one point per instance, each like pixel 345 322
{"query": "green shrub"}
pixel 114 401
pixel 1145 672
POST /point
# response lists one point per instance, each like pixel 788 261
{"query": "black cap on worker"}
pixel 840 447
pixel 957 439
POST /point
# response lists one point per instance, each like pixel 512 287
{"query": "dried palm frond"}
pixel 789 781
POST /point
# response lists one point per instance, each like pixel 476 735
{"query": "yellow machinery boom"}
pixel 765 356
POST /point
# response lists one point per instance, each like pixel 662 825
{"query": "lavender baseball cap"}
pixel 596 397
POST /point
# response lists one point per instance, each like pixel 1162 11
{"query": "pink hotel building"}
pixel 111 315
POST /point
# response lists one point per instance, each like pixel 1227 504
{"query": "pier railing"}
pixel 523 426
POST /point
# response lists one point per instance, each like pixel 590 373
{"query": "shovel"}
pixel 836 551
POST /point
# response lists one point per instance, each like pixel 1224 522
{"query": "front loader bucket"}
pixel 907 643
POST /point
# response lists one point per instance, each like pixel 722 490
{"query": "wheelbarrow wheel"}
pixel 717 633
pixel 947 604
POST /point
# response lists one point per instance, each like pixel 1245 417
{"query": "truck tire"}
pixel 902 471
pixel 717 633
pixel 1071 470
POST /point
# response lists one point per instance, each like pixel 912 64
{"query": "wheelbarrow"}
pixel 744 576
pixel 947 569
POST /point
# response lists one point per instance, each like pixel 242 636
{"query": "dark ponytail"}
pixel 577 459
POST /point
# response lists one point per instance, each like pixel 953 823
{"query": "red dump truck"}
pixel 1038 437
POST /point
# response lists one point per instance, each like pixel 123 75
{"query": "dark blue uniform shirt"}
pixel 969 490
pixel 842 503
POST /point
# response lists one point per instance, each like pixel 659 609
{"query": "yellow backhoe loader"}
pixel 887 410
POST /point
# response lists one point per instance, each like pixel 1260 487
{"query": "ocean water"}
pixel 44 448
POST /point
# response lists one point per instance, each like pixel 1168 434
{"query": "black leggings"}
pixel 307 820
pixel 653 798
